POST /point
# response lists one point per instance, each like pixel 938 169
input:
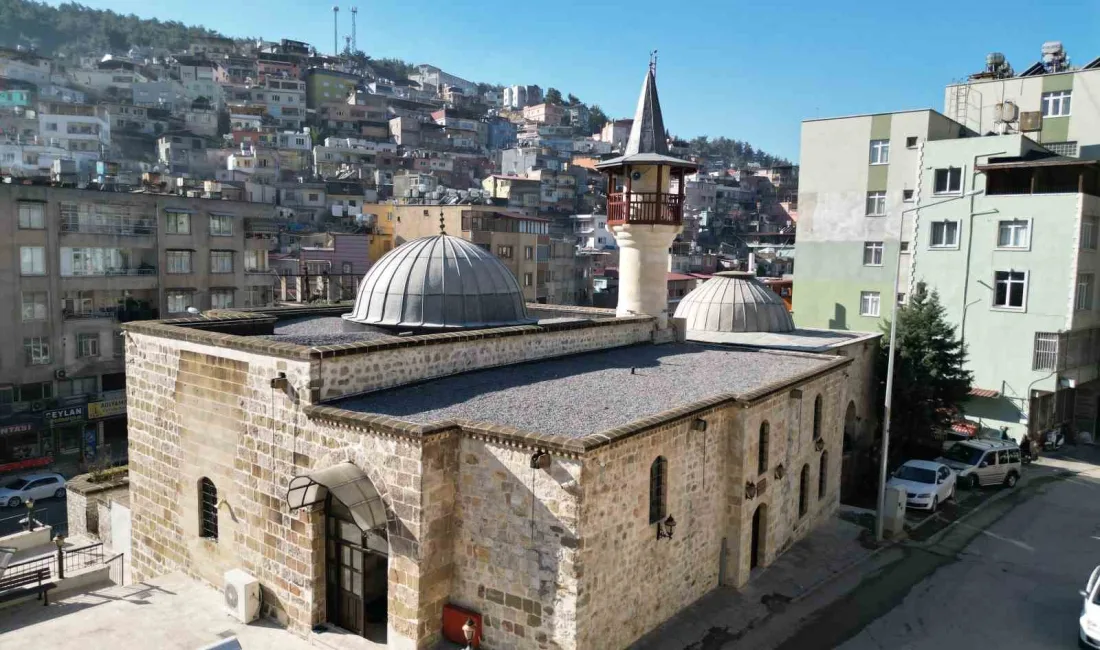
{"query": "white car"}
pixel 927 483
pixel 17 491
pixel 1090 613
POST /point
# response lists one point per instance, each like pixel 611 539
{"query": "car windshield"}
pixel 17 484
pixel 964 454
pixel 917 474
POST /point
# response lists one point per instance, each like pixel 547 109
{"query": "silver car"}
pixel 16 492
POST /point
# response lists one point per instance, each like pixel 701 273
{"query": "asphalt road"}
pixel 48 511
pixel 1005 575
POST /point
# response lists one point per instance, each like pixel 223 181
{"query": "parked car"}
pixel 951 438
pixel 1089 635
pixel 32 486
pixel 926 483
pixel 984 462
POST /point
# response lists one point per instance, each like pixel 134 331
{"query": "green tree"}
pixel 573 100
pixel 553 96
pixel 596 118
pixel 930 379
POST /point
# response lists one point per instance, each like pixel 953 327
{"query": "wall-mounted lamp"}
pixel 698 424
pixel 280 381
pixel 540 460
pixel 666 528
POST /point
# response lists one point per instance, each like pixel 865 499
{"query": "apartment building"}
pixel 513 237
pixel 78 264
pixel 75 127
pixel 1003 226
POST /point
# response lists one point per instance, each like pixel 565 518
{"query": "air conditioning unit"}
pixel 1031 121
pixel 59 373
pixel 242 595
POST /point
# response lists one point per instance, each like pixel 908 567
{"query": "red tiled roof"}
pixel 679 276
pixel 984 392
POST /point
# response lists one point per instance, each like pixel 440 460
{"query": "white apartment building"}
pixel 74 127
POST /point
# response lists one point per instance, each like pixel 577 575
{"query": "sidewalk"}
pixel 727 614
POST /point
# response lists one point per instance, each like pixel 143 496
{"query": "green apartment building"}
pixel 1015 266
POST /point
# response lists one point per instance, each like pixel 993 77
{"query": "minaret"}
pixel 644 215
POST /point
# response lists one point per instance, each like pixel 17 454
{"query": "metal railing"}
pixel 658 208
pixel 60 564
pixel 117 568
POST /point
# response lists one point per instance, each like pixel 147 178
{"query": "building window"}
pixel 314 197
pixel 762 449
pixel 221 261
pixel 87 345
pixel 945 234
pixel 803 491
pixel 221 225
pixel 32 260
pixel 1009 289
pixel 527 280
pixel 32 216
pixel 904 246
pixel 178 301
pixel 208 509
pixel 221 298
pixel 35 305
pixel 1015 233
pixel 872 253
pixel 504 252
pixel 77 386
pixel 822 475
pixel 1085 283
pixel 818 408
pixel 658 490
pixel 876 204
pixel 1045 353
pixel 255 261
pixel 1056 104
pixel 907 196
pixel 178 223
pixel 37 351
pixel 1088 233
pixel 118 339
pixel 869 303
pixel 880 152
pixel 948 181
pixel 911 142
pixel 528 252
pixel 178 261
pixel 901 297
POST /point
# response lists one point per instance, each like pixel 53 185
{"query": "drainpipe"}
pixel 970 240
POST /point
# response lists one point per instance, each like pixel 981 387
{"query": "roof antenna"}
pixel 442 223
pixel 653 63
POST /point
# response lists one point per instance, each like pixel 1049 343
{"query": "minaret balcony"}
pixel 645 208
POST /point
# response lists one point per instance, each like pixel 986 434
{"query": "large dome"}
pixel 734 301
pixel 439 282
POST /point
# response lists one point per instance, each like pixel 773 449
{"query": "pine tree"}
pixel 930 379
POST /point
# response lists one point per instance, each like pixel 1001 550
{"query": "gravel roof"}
pixel 587 393
pixel 322 330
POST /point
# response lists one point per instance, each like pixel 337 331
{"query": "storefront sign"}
pixel 30 463
pixel 21 427
pixel 107 408
pixel 64 415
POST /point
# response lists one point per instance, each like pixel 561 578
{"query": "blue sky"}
pixel 745 70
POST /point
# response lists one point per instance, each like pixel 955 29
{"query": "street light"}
pixel 889 402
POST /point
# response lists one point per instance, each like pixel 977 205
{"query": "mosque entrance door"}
pixel 759 521
pixel 356 572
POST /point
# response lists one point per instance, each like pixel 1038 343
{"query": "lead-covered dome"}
pixel 439 282
pixel 734 301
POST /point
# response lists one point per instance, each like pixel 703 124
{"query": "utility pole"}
pixel 335 30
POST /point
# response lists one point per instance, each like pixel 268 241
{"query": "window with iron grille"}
pixel 658 489
pixel 762 450
pixel 1045 356
pixel 822 474
pixel 817 416
pixel 208 509
pixel 804 491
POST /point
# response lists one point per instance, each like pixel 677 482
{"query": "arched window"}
pixel 208 509
pixel 822 475
pixel 803 491
pixel 817 417
pixel 762 451
pixel 658 489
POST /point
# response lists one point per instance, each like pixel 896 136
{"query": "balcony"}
pixel 646 208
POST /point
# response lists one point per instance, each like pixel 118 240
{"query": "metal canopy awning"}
pixel 347 483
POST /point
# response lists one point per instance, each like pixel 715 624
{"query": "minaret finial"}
pixel 442 223
pixel 653 62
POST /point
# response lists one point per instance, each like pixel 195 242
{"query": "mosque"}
pixel 558 477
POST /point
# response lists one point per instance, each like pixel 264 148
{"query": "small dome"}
pixel 734 301
pixel 439 282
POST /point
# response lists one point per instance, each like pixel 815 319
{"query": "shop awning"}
pixel 984 392
pixel 349 485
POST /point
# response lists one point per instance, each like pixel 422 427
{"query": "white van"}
pixel 984 462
